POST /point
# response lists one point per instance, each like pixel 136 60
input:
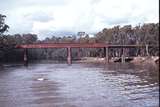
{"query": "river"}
pixel 79 85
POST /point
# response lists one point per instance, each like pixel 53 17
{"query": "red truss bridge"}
pixel 69 46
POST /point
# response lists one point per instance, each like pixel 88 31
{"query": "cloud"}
pixel 39 16
pixel 49 16
pixel 10 4
pixel 95 1
pixel 47 33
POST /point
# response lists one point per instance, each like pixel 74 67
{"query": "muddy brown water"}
pixel 79 85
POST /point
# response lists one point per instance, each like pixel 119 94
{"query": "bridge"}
pixel 69 46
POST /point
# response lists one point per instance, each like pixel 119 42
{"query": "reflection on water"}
pixel 79 85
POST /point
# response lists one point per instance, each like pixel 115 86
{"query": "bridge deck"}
pixel 76 45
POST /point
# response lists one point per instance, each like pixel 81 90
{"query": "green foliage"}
pixel 145 34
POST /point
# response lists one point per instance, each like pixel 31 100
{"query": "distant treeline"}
pixel 146 34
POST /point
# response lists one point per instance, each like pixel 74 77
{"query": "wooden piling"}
pixel 106 55
pixel 25 57
pixel 123 56
pixel 104 50
pixel 69 55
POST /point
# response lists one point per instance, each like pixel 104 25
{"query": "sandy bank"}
pixel 136 60
pixel 146 60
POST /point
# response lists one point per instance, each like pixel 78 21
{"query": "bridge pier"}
pixel 69 56
pixel 106 49
pixel 123 56
pixel 25 58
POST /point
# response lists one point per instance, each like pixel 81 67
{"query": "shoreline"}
pixel 136 60
pixel 152 60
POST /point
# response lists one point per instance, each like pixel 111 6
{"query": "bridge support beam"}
pixel 25 58
pixel 104 50
pixel 106 55
pixel 69 56
pixel 123 56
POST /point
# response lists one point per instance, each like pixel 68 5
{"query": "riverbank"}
pixel 154 60
pixel 146 60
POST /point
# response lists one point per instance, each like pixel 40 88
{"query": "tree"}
pixel 29 38
pixel 3 27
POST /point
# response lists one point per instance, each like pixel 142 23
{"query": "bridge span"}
pixel 69 46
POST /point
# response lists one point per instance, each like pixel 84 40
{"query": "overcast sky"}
pixel 44 17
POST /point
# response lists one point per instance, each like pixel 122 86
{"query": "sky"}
pixel 50 17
